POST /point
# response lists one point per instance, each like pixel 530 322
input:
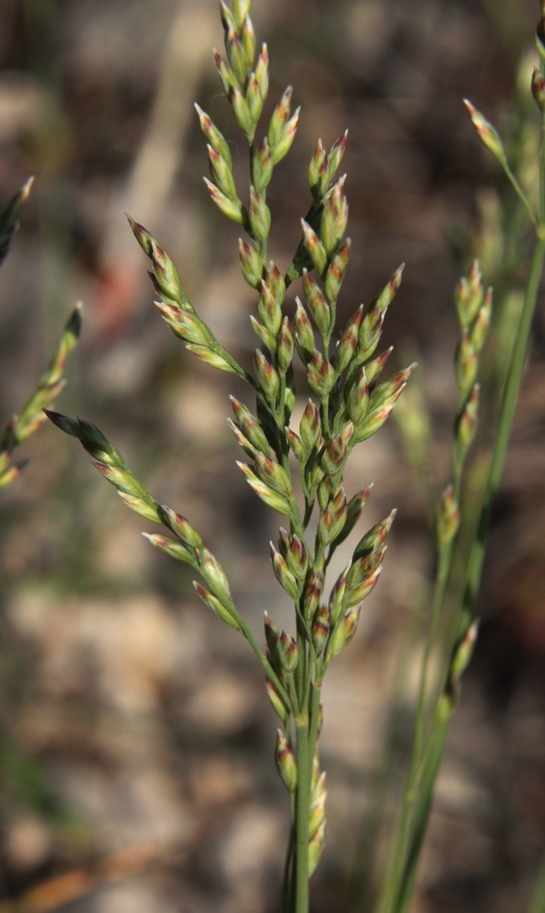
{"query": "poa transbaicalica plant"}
pixel 297 468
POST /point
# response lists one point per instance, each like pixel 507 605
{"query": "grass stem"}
pixel 302 810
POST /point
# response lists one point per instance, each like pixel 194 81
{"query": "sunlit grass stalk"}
pixel 428 748
pixel 426 755
pixel 425 762
pixel 474 311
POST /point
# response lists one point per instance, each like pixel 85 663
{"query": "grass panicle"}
pixel 298 468
pixel 296 471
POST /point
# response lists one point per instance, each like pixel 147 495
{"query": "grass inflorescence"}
pixel 298 467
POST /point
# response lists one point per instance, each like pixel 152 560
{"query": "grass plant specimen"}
pixel 22 425
pixel 298 469
pixel 435 709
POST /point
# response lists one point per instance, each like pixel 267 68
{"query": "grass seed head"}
pixel 448 517
pixel 488 135
pixel 285 762
pixel 320 628
pixel 277 703
pixel 217 607
pixel 288 651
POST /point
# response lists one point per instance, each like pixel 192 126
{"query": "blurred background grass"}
pixel 136 747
